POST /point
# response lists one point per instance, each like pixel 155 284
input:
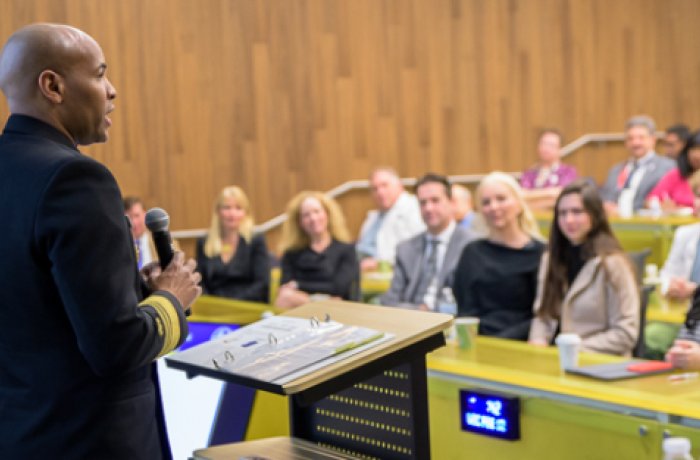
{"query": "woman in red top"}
pixel 673 191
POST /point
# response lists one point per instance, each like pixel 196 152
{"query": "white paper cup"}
pixel 569 345
pixel 467 329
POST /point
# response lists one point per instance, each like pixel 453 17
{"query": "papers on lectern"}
pixel 281 348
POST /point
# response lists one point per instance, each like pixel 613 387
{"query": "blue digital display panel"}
pixel 204 332
pixel 490 414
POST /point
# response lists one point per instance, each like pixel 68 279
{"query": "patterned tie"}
pixel 139 253
pixel 429 271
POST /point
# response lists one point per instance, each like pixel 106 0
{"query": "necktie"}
pixel 139 253
pixel 428 273
pixel 625 177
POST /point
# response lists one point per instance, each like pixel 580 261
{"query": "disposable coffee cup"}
pixel 467 329
pixel 569 345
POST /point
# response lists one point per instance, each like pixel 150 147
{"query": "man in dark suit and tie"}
pixel 81 325
pixel 640 173
pixel 425 264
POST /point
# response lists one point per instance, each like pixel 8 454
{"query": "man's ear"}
pixel 51 86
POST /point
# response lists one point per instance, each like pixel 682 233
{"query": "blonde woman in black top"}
pixel 234 262
pixel 496 277
pixel 318 258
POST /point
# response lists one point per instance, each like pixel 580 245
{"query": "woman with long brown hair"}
pixel 586 284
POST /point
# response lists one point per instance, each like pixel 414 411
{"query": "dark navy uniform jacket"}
pixel 77 338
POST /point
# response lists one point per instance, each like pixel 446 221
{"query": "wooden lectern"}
pixel 372 405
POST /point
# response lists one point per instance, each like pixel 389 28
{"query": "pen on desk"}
pixel 684 376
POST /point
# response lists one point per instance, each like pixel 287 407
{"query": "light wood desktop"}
pixel 280 448
pixel 413 327
pixel 394 370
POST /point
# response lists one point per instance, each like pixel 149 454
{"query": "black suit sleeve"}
pixel 80 226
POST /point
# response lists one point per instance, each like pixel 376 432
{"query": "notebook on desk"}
pixel 624 370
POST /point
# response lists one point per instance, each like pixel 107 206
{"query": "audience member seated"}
pixel 145 250
pixel 496 277
pixel 641 172
pixel 425 264
pixel 680 274
pixel 680 277
pixel 396 219
pixel 233 262
pixel 463 206
pixel 586 284
pixel 673 190
pixel 317 261
pixel 674 140
pixel 542 183
pixel 685 352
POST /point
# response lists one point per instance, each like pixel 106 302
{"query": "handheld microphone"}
pixel 157 221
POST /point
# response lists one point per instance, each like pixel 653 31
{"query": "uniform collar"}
pixel 24 124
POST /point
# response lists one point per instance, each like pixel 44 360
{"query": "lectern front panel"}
pixel 373 419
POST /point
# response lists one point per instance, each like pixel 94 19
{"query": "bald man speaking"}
pixel 80 325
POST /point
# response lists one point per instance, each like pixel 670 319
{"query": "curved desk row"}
pixel 638 233
pixel 562 415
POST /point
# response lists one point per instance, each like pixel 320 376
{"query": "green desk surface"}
pixel 214 309
pixel 520 364
pixel 638 232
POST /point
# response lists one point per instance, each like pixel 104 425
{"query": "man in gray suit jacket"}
pixel 425 264
pixel 641 172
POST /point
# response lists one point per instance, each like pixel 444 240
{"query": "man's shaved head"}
pixel 56 73
pixel 33 49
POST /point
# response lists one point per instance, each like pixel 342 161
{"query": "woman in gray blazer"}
pixel 586 284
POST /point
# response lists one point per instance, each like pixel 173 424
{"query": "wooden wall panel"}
pixel 279 96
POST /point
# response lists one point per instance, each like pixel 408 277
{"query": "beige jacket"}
pixel 601 306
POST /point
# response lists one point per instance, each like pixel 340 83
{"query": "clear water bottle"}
pixel 677 449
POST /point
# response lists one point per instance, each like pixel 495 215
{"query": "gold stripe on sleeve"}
pixel 167 321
